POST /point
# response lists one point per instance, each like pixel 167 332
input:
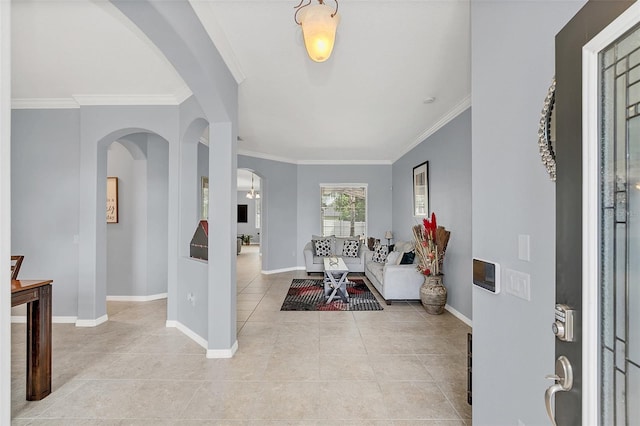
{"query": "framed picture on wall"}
pixel 421 189
pixel 204 198
pixel 112 200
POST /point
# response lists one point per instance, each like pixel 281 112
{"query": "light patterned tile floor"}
pixel 399 366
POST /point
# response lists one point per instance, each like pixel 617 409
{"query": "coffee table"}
pixel 335 279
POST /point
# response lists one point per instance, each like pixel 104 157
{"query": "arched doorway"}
pixel 137 239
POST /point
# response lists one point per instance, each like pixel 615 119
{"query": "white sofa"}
pixel 315 263
pixel 394 282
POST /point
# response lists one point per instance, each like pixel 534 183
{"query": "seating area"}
pixel 392 279
pixel 350 249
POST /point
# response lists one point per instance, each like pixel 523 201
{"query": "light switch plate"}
pixel 524 248
pixel 518 284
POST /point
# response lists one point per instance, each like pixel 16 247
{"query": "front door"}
pixel 598 214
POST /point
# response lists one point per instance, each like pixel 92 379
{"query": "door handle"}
pixel 564 383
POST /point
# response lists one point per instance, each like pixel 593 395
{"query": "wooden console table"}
pixel 37 295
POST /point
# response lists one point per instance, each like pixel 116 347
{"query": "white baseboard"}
pixel 137 298
pixel 277 271
pixel 211 353
pixel 459 315
pixel 22 319
pixel 187 332
pixel 92 323
pixel 223 353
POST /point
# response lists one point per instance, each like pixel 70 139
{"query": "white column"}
pixel 222 342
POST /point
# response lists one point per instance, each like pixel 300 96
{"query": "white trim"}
pixel 223 353
pixel 137 298
pixel 456 111
pixel 458 315
pixel 76 101
pixel 183 94
pixel 22 319
pixel 187 332
pixel 44 103
pixel 270 157
pixel 92 323
pixel 277 271
pixel 590 207
pixel 344 185
pixel 346 162
pixel 218 37
pixel 118 100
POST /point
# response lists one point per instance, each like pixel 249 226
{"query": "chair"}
pixel 16 262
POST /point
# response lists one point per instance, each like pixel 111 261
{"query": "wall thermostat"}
pixel 486 275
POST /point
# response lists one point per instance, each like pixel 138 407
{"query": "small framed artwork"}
pixel 204 198
pixel 421 189
pixel 112 200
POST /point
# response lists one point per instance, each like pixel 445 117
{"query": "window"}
pixel 344 209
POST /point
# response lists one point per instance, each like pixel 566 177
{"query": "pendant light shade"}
pixel 319 23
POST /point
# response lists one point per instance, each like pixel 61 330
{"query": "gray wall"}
pixel 137 245
pixel 448 152
pixel 157 214
pixel 512 67
pixel 127 239
pixel 378 180
pixel 44 199
pixel 280 248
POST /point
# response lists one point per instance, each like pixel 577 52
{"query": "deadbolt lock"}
pixel 564 325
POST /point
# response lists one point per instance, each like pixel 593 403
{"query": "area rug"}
pixel 308 295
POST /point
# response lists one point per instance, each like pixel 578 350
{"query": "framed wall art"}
pixel 204 198
pixel 112 200
pixel 421 189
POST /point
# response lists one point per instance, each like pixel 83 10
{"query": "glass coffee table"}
pixel 335 279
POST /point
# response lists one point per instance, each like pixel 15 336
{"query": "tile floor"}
pixel 399 366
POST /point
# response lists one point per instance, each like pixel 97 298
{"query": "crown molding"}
pixel 44 103
pixel 76 101
pixel 207 16
pixel 120 100
pixel 182 94
pixel 264 156
pixel 345 162
pixel 314 162
pixel 453 113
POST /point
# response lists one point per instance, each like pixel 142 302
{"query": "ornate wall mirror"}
pixel 547 132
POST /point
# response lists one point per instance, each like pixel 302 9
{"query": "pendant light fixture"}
pixel 253 193
pixel 319 23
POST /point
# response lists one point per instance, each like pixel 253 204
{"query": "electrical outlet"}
pixel 191 299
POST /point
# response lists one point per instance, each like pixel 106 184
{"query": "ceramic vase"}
pixel 433 294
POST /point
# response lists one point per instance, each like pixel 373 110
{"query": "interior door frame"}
pixel 591 207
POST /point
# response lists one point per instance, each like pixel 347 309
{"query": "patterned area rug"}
pixel 308 295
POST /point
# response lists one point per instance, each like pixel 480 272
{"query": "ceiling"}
pixel 365 105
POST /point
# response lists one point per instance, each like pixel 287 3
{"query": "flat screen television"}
pixel 242 213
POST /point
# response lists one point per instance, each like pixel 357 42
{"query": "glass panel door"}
pixel 620 231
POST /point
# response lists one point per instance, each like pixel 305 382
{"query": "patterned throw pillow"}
pixel 350 248
pixel 380 253
pixel 323 247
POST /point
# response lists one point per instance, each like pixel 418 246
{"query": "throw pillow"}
pixel 350 248
pixel 393 258
pixel 380 252
pixel 323 247
pixel 407 258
